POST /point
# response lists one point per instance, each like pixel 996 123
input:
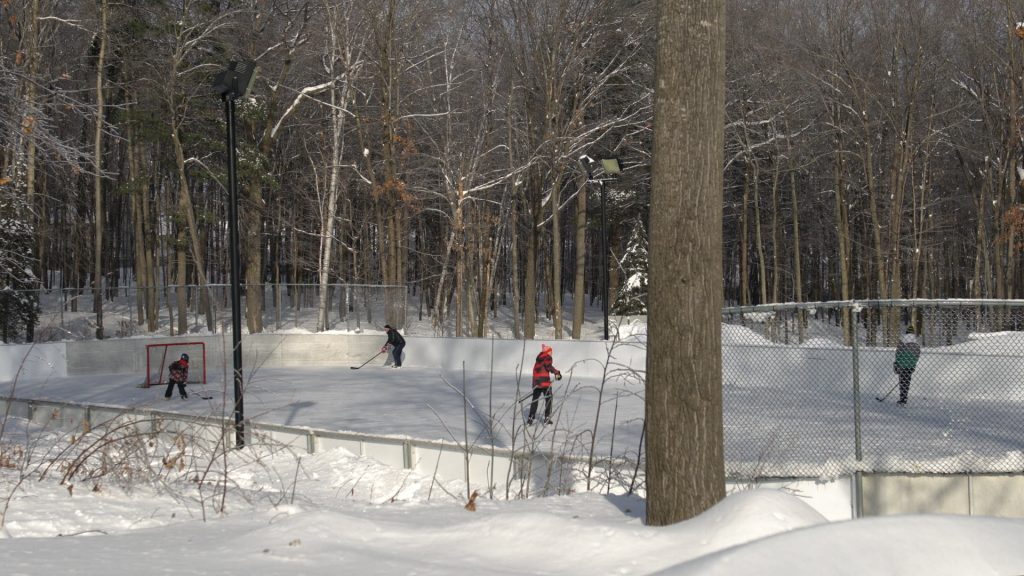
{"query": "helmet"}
pixel 545 348
pixel 184 357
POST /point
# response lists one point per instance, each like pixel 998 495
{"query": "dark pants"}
pixel 396 351
pixel 170 389
pixel 537 391
pixel 904 374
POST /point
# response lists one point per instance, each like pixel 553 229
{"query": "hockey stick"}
pixel 530 393
pixel 202 395
pixel 882 399
pixel 367 362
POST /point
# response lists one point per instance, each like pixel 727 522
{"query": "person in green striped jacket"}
pixel 908 351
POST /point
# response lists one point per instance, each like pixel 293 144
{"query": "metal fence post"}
pixel 856 383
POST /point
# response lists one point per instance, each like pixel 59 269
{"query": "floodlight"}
pixel 611 166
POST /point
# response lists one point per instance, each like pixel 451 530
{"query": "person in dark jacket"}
pixel 908 351
pixel 397 344
pixel 178 376
pixel 542 371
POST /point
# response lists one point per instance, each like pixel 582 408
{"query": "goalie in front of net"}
pixel 178 376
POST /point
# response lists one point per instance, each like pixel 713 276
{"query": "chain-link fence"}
pixel 69 314
pixel 815 389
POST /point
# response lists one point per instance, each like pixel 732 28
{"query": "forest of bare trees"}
pixel 873 149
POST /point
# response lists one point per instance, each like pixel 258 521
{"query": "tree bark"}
pixel 31 95
pixel 842 223
pixel 196 245
pixel 798 282
pixel 578 298
pixel 97 278
pixel 685 453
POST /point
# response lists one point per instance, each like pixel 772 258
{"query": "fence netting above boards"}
pixel 70 313
pixel 910 386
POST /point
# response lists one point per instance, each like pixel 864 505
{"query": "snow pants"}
pixel 904 374
pixel 537 391
pixel 170 389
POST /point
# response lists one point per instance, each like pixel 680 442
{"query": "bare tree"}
pixel 97 270
pixel 342 64
pixel 279 32
pixel 190 34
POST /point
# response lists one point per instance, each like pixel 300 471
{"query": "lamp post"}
pixel 611 167
pixel 231 84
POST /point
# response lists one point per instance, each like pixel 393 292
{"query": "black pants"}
pixel 904 374
pixel 396 351
pixel 170 389
pixel 537 391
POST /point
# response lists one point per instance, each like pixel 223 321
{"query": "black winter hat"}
pixel 388 326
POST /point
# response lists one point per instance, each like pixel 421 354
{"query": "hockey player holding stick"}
pixel 908 351
pixel 178 376
pixel 542 371
pixel 396 343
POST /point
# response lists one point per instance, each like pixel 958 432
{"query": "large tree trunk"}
pixel 685 452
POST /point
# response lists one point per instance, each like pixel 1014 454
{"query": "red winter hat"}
pixel 545 348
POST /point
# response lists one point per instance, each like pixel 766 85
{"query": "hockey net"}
pixel 160 356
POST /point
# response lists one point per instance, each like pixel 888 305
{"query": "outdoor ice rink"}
pixel 789 411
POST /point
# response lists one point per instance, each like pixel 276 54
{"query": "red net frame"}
pixel 157 361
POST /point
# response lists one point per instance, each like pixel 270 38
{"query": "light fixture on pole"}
pixel 231 84
pixel 610 167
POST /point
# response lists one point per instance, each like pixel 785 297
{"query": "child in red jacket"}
pixel 178 376
pixel 542 371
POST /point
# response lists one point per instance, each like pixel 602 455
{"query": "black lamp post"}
pixel 611 167
pixel 231 84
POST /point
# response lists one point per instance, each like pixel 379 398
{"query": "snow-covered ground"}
pixel 332 512
pixel 140 504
